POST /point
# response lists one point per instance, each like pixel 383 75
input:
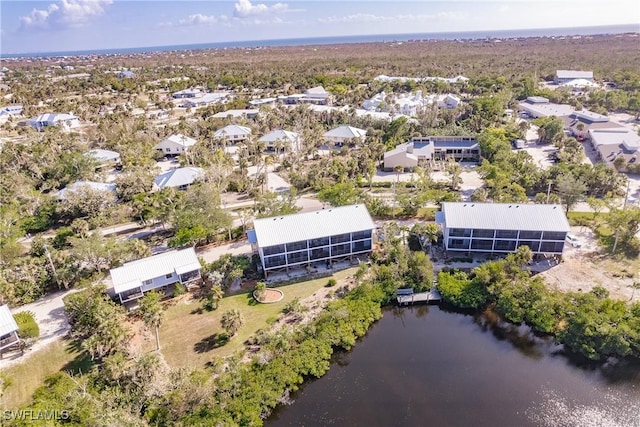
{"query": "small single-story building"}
pixel 203 100
pixel 126 74
pixel 179 178
pixel 290 140
pixel 104 157
pixel 421 150
pixel 235 114
pixel 64 121
pixel 134 278
pixel 259 102
pixel 8 328
pixel 11 110
pixel 187 93
pixel 233 133
pixel 345 135
pixel 564 76
pixel 175 144
pixel 502 227
pixel 538 106
pixel 312 237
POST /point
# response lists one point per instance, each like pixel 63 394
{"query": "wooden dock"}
pixel 410 298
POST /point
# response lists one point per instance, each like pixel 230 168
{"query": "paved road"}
pixel 49 314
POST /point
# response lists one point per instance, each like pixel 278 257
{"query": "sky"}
pixel 65 25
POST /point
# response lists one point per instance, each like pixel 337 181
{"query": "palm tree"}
pixel 151 312
pixel 232 321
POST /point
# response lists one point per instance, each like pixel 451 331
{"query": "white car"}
pixel 573 240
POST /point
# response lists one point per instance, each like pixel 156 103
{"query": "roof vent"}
pixel 509 206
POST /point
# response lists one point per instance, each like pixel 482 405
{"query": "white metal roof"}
pixel 312 225
pixel 179 139
pixel 178 177
pixel 279 135
pixel 615 136
pixel 236 113
pixel 505 216
pixel 573 74
pixel 103 155
pixel 345 132
pixel 83 185
pixel 7 322
pixel 232 130
pixel 131 274
pixel 53 118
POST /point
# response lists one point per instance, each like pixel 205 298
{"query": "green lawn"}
pixel 187 334
pixel 26 377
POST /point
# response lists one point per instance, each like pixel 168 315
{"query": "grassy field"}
pixel 188 335
pixel 25 378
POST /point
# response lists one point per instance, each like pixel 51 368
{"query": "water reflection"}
pixel 519 336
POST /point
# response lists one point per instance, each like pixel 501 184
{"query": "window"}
pixel 530 234
pixel 340 238
pixel 460 232
pixel 274 261
pixel 506 234
pixel 360 235
pixel 319 253
pixel 272 250
pixel 168 276
pixel 533 245
pixel 296 257
pixel 168 150
pixel 487 234
pixel 324 241
pixel 361 246
pixel 552 247
pixel 296 246
pixel 482 245
pixel 458 243
pixel 342 249
pixel 504 245
pixel 554 235
pixel 147 282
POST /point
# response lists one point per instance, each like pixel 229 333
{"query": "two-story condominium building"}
pixel 233 133
pixel 8 328
pixel 312 237
pixel 422 150
pixel 134 278
pixel 503 227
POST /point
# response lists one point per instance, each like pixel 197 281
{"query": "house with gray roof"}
pixel 614 143
pixel 104 157
pixel 64 121
pixel 158 272
pixel 310 238
pixel 423 150
pixel 503 227
pixel 8 328
pixel 175 144
pixel 179 178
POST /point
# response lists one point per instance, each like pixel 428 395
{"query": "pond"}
pixel 424 365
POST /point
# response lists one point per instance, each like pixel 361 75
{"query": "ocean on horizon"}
pixel 371 38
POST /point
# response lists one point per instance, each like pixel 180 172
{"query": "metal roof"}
pixel 346 132
pixel 125 278
pixel 231 130
pixel 7 322
pixel 312 225
pixel 179 139
pixel 85 185
pixel 279 135
pixel 505 216
pixel 236 113
pixel 178 177
pixel 103 155
pixel 52 118
pixel 573 74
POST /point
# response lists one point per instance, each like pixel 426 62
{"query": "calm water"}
pixel 424 366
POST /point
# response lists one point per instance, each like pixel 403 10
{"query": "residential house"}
pixel 8 329
pixel 564 76
pixel 204 100
pixel 80 186
pixel 289 140
pixel 64 121
pixel 163 271
pixel 423 150
pixel 259 102
pixel 309 238
pixel 126 74
pixel 179 178
pixel 235 114
pixel 105 158
pixel 233 133
pixel 502 227
pixel 187 93
pixel 11 110
pixel 175 144
pixel 316 96
pixel 345 135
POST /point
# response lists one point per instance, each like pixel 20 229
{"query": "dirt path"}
pixel 49 314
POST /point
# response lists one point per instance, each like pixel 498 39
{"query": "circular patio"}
pixel 269 296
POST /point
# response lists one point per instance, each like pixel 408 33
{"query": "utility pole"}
pixel 53 267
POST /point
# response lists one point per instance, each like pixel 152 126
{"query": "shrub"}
pixel 27 326
pixel 332 282
pixel 180 289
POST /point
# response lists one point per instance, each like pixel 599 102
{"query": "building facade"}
pixel 308 238
pixel 8 328
pixel 503 227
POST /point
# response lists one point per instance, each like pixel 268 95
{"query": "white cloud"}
pixel 368 17
pixel 244 9
pixel 64 14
